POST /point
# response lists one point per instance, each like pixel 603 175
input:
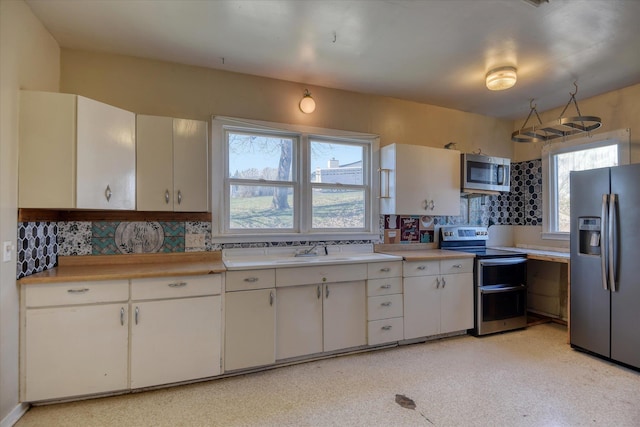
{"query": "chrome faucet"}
pixel 311 251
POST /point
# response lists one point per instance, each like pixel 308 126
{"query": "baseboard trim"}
pixel 14 415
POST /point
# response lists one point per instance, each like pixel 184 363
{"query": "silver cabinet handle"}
pixel 178 285
pixel 386 328
pixel 179 196
pixel 166 196
pixel 107 193
pixel 387 286
pixel 429 205
pixel 326 292
pixel 78 291
pixel 319 292
pixel 437 282
pixel 251 279
pixel 457 265
pixel 444 283
pixel 122 316
pixel 137 314
pixel 271 298
pixel 421 267
pixel 385 269
pixel 386 304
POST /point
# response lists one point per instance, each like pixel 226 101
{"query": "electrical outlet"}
pixel 194 241
pixel 7 251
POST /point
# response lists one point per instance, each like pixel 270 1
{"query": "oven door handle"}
pixel 502 261
pixel 493 290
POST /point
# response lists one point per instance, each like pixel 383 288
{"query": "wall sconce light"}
pixel 501 78
pixel 307 104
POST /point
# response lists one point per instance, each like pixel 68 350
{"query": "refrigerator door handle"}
pixel 603 244
pixel 612 219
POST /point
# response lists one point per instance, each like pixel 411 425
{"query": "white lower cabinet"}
pixel 320 309
pixel 185 323
pixel 437 303
pixel 74 340
pixel 250 319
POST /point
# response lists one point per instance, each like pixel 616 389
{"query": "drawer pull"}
pixel 457 266
pixel 387 286
pixel 386 328
pixel 386 304
pixel 122 316
pixel 177 285
pixel 251 279
pixel 421 267
pixel 137 314
pixel 78 291
pixel 385 269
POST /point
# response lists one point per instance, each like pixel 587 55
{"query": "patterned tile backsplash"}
pixel 40 243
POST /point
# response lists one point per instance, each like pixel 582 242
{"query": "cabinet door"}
pixel 456 302
pixel 75 350
pixel 250 324
pixel 421 306
pixel 443 181
pixel 154 163
pixel 106 156
pixel 344 315
pixel 190 166
pixel 175 340
pixel 299 321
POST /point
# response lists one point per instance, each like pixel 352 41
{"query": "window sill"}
pixel 555 236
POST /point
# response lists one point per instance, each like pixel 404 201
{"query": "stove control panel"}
pixel 463 233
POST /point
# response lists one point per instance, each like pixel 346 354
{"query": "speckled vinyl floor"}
pixel 523 378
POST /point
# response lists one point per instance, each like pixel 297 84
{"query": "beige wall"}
pixel 30 59
pixel 161 88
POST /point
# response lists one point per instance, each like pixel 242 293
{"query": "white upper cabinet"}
pixel 172 164
pixel 419 180
pixel 75 152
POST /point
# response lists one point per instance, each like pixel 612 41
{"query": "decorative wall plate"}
pixel 139 237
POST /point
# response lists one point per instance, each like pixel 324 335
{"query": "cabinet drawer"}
pixel 384 307
pixel 379 270
pixel 250 279
pixel 453 266
pixel 292 276
pixel 389 286
pixel 51 294
pixel 420 268
pixel 386 330
pixel 176 287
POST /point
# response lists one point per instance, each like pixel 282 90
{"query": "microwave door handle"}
pixel 500 172
pixel 612 264
pixel 603 242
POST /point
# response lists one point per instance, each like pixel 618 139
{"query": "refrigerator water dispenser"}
pixel 589 228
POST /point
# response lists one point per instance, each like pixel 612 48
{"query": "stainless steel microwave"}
pixel 485 174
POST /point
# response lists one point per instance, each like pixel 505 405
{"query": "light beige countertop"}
pixel 421 252
pixel 134 266
pixel 539 253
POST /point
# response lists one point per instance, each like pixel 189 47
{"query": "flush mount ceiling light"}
pixel 307 104
pixel 501 78
pixel 562 127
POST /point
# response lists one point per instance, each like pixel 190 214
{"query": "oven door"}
pixel 501 299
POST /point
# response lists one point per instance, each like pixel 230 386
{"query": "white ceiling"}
pixel 431 51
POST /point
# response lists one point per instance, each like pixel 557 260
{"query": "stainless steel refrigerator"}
pixel 605 262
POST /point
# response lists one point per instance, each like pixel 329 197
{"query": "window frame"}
pixel 301 163
pixel 549 172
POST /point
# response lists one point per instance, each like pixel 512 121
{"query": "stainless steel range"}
pixel 500 279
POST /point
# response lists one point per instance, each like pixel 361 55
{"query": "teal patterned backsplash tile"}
pixel 103 229
pixel 173 229
pixel 173 244
pixel 103 246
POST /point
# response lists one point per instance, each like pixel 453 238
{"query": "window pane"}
pixel 338 208
pixel 336 163
pixel 576 161
pixel 260 157
pixel 254 207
